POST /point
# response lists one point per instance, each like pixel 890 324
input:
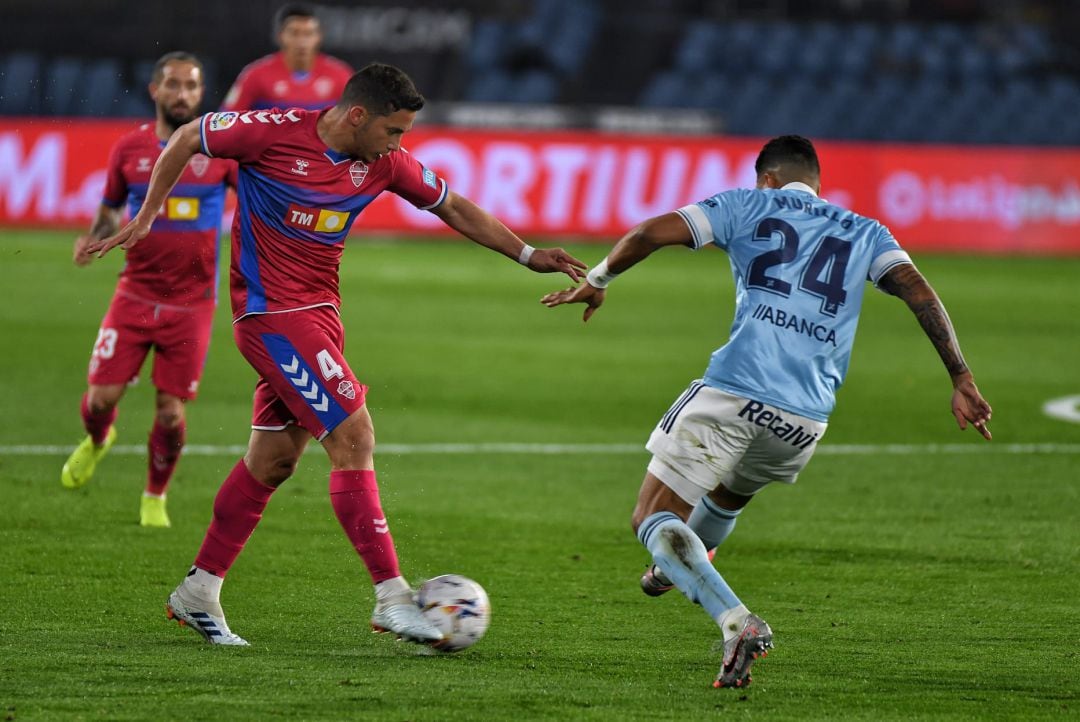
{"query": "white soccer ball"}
pixel 458 606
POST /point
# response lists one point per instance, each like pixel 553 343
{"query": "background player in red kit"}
pixel 167 291
pixel 305 176
pixel 298 76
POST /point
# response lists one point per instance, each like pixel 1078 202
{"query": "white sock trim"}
pixel 731 621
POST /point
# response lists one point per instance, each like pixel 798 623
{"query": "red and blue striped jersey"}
pixel 269 83
pixel 176 264
pixel 297 201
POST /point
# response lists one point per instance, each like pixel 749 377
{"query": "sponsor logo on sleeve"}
pixel 320 220
pixel 429 178
pixel 223 121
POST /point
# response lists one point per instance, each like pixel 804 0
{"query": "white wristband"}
pixel 600 276
pixel 526 254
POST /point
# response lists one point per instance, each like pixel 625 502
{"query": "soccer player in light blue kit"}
pixel 800 266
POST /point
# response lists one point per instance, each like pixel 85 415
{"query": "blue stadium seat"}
pixel 20 84
pixel 101 89
pixel 486 48
pixel 572 39
pixel 699 49
pixel 665 90
pixel 493 86
pixel 62 86
pixel 536 87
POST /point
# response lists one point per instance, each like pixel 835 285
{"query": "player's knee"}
pixel 170 417
pixel 274 471
pixel 100 401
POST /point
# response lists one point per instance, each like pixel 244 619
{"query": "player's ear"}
pixel 357 114
pixel 152 89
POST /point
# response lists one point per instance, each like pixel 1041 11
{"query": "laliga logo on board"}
pixel 358 172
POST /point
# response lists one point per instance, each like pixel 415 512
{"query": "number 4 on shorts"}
pixel 329 367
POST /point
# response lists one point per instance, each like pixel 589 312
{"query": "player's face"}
pixel 178 93
pixel 377 135
pixel 299 39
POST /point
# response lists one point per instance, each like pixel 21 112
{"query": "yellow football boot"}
pixel 152 512
pixel 81 464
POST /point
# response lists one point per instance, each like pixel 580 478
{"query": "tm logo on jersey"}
pixel 316 219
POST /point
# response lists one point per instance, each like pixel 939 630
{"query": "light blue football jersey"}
pixel 800 266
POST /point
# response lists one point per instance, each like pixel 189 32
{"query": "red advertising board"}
pixel 588 184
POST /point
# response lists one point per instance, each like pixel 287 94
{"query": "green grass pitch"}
pixel 902 582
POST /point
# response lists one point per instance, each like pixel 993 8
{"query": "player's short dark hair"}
pixel 381 89
pixel 176 56
pixel 794 151
pixel 285 13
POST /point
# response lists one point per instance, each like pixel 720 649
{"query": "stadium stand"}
pixel 760 67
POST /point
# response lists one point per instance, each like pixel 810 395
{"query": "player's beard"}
pixel 175 119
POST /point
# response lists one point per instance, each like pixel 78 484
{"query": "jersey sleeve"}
pixel 713 220
pixel 887 254
pixel 226 135
pixel 420 186
pixel 241 95
pixel 116 187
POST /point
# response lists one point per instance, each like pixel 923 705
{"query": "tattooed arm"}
pixel 106 223
pixel 905 282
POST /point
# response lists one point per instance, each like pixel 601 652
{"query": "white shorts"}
pixel 710 437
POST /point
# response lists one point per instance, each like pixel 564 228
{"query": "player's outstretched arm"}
pixel 106 223
pixel 479 226
pixel 183 144
pixel 968 405
pixel 637 245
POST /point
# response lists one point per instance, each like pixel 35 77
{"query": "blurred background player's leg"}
pixel 98 410
pixel 166 441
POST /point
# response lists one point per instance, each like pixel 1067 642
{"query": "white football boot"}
pixel 400 615
pixel 212 627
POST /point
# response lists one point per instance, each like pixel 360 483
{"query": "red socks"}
pixel 355 497
pixel 165 445
pixel 97 425
pixel 238 508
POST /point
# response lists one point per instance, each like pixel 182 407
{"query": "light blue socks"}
pixel 712 523
pixel 681 556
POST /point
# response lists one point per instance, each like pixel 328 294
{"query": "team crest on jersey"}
pixel 223 121
pixel 198 164
pixel 358 172
pixel 323 86
pixel 345 388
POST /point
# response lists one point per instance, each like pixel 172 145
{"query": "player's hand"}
pixel 968 406
pixel 79 255
pixel 550 260
pixel 126 238
pixel 591 296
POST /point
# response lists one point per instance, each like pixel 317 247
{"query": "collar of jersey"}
pixel 336 157
pixel 798 186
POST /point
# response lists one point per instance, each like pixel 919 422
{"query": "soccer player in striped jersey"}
pixel 800 265
pixel 167 290
pixel 297 76
pixel 305 177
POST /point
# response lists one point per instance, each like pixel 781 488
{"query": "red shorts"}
pixel 303 376
pixel 179 336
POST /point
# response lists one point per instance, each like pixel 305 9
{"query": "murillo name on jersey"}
pixel 298 200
